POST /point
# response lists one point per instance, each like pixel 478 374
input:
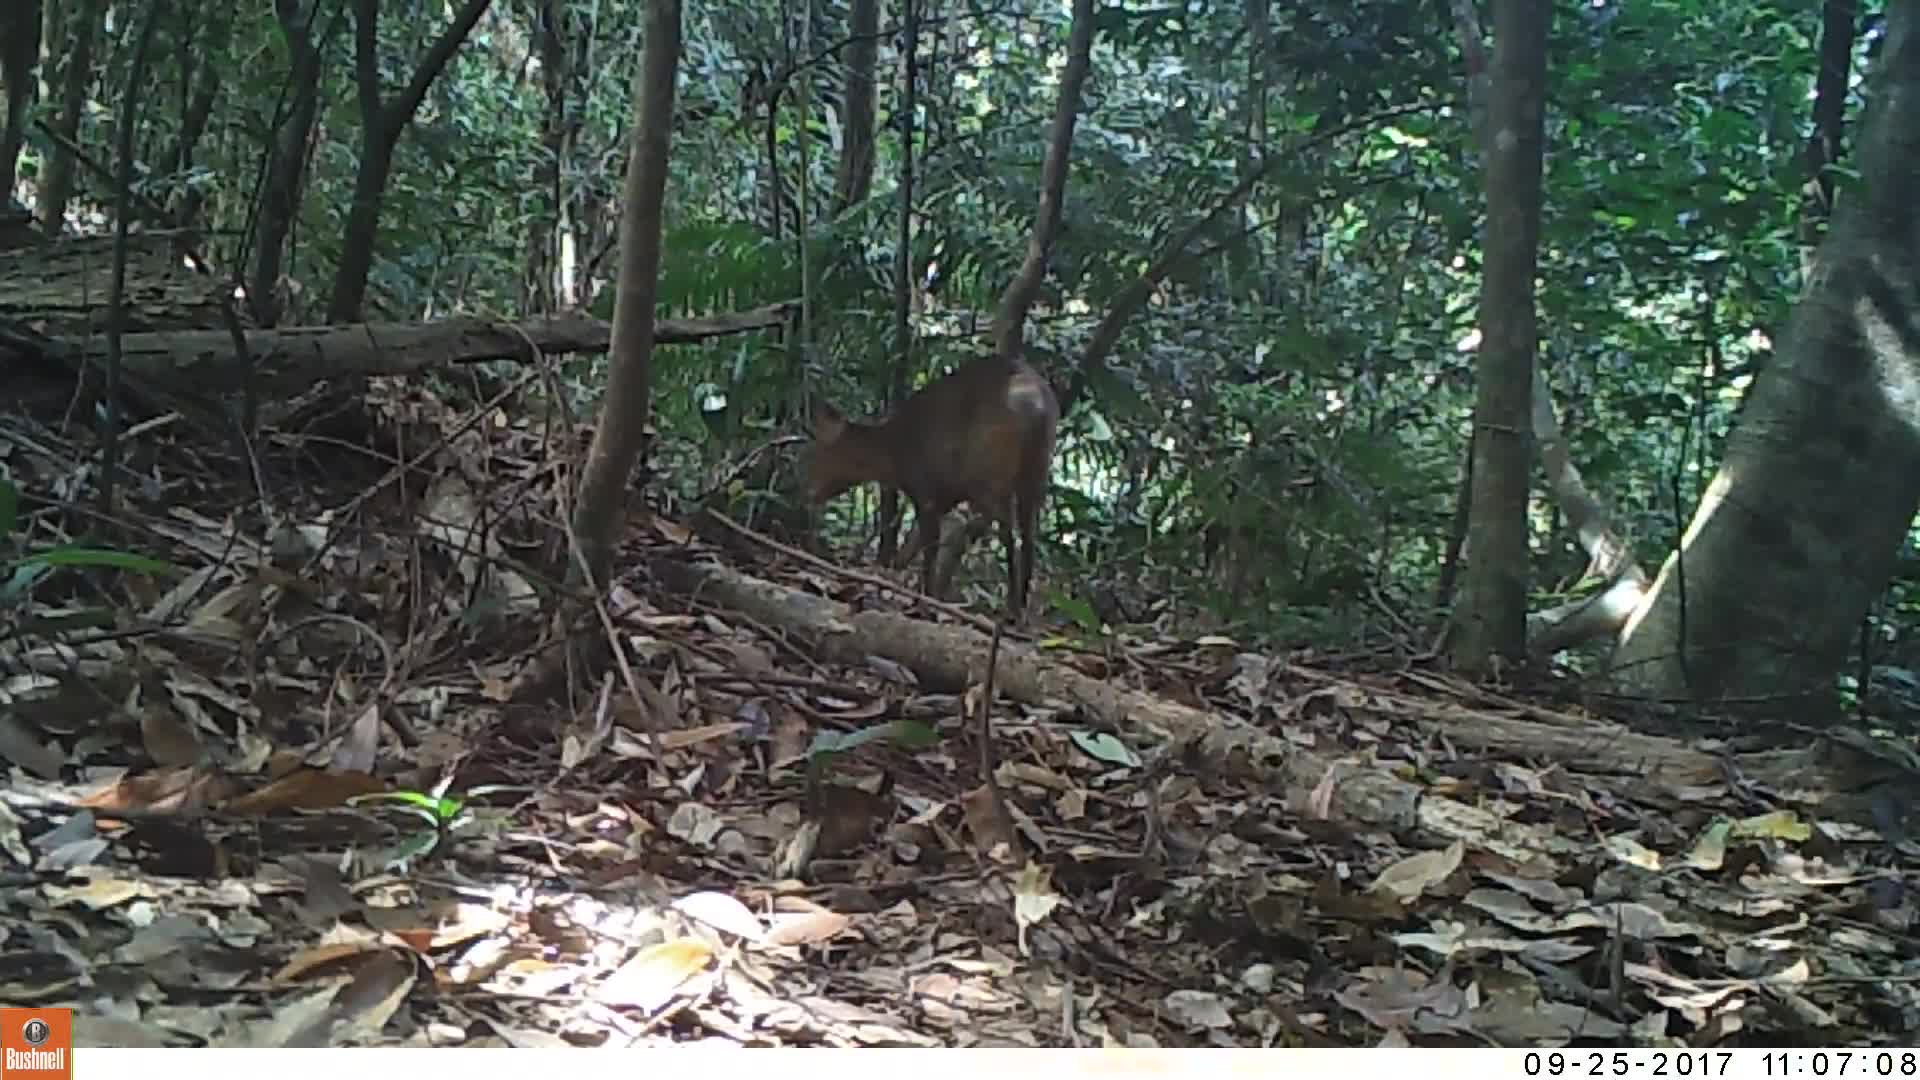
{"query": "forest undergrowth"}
pixel 298 792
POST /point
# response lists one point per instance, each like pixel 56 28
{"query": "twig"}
pixel 791 682
pixel 988 768
pixel 647 705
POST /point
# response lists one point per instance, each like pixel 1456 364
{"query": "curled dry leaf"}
pixel 162 937
pixel 1398 999
pixel 722 912
pixel 224 617
pixel 814 927
pixel 168 608
pixel 301 1022
pixel 749 658
pixel 892 671
pixel 1709 852
pixel 322 959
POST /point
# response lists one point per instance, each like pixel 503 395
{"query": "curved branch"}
pixel 1020 294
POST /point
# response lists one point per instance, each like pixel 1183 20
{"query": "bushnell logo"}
pixel 34 1044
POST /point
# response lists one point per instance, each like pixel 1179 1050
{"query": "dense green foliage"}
pixel 1278 437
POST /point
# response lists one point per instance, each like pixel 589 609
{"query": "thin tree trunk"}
pixel 902 265
pixel 1493 621
pixel 377 144
pixel 19 56
pixel 56 184
pixel 1839 22
pixel 122 219
pixel 618 439
pixel 770 139
pixel 1010 320
pixel 53 46
pixel 801 343
pixel 1242 252
pixel 280 197
pixel 545 229
pixel 855 175
pixel 200 95
pixel 1456 532
pixel 1838 28
pixel 382 122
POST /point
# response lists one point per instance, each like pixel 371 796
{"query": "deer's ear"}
pixel 828 424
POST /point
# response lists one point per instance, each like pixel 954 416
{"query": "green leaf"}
pixel 97 557
pixel 1107 748
pixel 912 734
pixel 1076 609
pixel 441 810
pixel 23 579
pixel 9 505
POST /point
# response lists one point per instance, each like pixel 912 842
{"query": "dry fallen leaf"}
pixel 23 747
pixel 315 960
pixel 176 790
pixel 1197 1009
pixel 991 831
pixel 359 751
pixel 98 891
pixel 308 789
pixel 1407 879
pixel 655 975
pixel 168 741
pixel 814 926
pixel 1033 899
pixel 722 912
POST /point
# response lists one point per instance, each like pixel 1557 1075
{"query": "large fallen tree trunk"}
pixel 1832 778
pixel 292 358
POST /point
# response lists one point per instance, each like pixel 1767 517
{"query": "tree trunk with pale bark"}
pixel 1798 532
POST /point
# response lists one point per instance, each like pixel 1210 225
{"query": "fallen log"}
pixel 293 358
pixel 1831 781
pixel 955 655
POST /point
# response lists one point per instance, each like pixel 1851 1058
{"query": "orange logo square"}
pixel 36 1044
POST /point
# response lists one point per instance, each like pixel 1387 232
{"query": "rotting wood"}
pixel 1819 779
pixel 292 358
pixel 60 286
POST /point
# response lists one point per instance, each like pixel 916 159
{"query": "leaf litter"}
pixel 292 797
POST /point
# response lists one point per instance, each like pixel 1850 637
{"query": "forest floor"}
pixel 300 793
